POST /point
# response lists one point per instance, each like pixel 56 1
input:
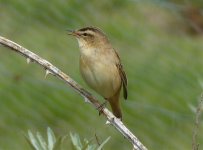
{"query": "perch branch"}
pixel 195 144
pixel 51 69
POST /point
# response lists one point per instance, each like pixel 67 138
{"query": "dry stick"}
pixel 51 69
pixel 195 144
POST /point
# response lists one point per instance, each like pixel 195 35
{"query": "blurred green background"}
pixel 161 47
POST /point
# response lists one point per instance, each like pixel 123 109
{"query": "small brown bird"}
pixel 100 66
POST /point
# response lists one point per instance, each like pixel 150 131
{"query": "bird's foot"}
pixel 101 107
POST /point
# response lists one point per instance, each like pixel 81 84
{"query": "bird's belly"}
pixel 103 78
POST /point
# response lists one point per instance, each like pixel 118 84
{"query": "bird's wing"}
pixel 123 76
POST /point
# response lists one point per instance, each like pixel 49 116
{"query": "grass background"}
pixel 163 62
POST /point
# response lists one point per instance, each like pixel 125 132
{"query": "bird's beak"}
pixel 72 32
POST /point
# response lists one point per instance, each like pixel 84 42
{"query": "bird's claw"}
pixel 101 107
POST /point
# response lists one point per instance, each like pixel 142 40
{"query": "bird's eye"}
pixel 85 34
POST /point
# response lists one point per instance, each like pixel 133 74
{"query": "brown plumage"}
pixel 101 67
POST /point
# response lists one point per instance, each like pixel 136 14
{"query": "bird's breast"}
pixel 100 74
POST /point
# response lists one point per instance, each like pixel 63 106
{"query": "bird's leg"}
pixel 101 107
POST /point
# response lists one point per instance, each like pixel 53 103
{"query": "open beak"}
pixel 72 32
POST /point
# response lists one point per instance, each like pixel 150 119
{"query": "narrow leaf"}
pixel 91 147
pixel 76 141
pixel 102 145
pixel 33 141
pixel 42 142
pixel 51 139
pixel 29 142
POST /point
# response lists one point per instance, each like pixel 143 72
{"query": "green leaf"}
pixel 33 141
pixel 91 147
pixel 42 142
pixel 102 145
pixel 51 139
pixel 76 141
pixel 29 142
pixel 87 144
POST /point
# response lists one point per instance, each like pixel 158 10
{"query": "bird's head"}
pixel 89 36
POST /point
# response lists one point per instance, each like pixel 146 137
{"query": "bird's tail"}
pixel 115 105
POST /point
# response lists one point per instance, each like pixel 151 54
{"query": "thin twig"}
pixel 195 144
pixel 97 139
pixel 51 69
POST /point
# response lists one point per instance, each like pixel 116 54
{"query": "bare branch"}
pixel 195 144
pixel 51 69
